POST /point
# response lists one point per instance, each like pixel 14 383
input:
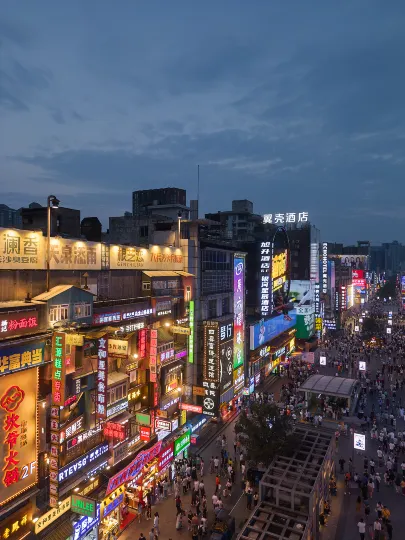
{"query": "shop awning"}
pixel 122 417
pixel 116 377
pixel 61 532
pixel 167 273
pixel 160 273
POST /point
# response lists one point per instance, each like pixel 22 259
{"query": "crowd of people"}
pixel 381 412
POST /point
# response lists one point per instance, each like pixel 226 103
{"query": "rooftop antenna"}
pixel 198 189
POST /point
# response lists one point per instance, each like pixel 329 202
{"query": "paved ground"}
pixel 167 509
pixel 342 523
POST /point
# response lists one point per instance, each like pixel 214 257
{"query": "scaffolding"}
pixel 270 522
pixel 295 487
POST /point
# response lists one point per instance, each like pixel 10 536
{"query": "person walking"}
pixel 156 523
pixel 362 528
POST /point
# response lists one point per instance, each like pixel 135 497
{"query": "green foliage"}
pixel 387 290
pixel 370 327
pixel 265 433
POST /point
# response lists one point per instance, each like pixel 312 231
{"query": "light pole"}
pixel 55 204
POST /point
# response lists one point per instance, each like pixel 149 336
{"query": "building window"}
pixel 188 293
pixel 116 393
pixel 212 309
pixel 59 313
pixel 146 286
pixel 82 310
pixel 225 305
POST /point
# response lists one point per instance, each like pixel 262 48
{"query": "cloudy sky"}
pixel 295 105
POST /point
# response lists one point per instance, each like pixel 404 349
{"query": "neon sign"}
pixel 133 469
pixel 58 368
pixel 102 374
pixel 12 324
pixel 239 311
pixel 18 433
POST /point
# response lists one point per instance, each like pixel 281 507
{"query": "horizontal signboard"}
pixel 24 356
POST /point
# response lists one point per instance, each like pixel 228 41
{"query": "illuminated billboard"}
pixel 18 444
pixel 264 331
pixel 238 311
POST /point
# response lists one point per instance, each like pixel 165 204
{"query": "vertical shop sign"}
pixel 239 311
pixel 58 368
pixel 142 343
pixel 54 457
pixel 211 351
pixel 102 375
pixel 325 268
pixel 153 356
pixel 265 289
pixel 191 336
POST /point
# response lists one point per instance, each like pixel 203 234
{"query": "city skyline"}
pixel 294 109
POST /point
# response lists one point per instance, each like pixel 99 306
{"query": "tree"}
pixel 389 289
pixel 265 433
pixel 370 327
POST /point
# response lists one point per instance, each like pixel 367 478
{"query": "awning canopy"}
pixel 167 273
pixel 332 386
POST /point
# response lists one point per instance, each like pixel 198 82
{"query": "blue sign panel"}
pixel 78 464
pixel 264 331
pixel 85 524
pixel 113 505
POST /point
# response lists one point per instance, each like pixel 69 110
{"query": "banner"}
pixel 21 250
pixel 74 254
pixel 155 258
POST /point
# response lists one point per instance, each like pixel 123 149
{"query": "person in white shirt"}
pixel 214 501
pixel 362 528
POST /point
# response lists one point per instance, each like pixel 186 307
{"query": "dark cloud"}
pixel 294 108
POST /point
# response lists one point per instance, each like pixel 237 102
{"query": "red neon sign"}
pixel 10 402
pixel 191 408
pixel 115 431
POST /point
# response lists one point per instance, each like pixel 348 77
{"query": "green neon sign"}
pixel 182 442
pixel 83 506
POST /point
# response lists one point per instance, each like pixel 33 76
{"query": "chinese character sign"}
pixel 15 324
pixel 58 368
pixel 325 268
pixel 211 351
pixel 210 401
pixel 74 254
pixel 102 376
pixel 265 285
pixel 118 348
pixel 18 422
pixel 238 311
pixel 285 218
pixel 156 258
pixel 21 250
pixel 24 356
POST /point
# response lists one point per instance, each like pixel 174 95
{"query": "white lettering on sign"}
pixel 285 217
pixel 324 267
pixel 265 266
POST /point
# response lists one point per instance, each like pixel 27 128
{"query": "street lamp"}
pixel 52 200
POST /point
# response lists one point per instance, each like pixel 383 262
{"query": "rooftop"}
pixel 298 473
pixel 332 386
pixel 269 522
